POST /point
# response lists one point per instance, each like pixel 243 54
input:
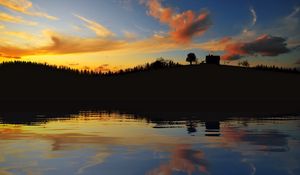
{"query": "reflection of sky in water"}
pixel 116 144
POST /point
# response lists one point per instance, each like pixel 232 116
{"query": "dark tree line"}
pixel 158 64
pixel 276 69
pixel 44 68
pixel 42 82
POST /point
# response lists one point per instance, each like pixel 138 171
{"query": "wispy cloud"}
pixel 183 26
pixel 14 19
pixel 295 12
pixel 254 16
pixel 248 30
pixel 25 7
pixel 99 29
pixel 22 35
pixel 291 23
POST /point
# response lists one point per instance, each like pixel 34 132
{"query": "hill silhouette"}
pixel 194 87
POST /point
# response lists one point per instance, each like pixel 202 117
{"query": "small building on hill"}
pixel 213 59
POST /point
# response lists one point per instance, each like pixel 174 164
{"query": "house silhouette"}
pixel 213 59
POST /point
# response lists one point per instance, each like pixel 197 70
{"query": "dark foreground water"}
pixel 106 144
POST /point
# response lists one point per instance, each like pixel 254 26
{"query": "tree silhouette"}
pixel 244 63
pixel 191 57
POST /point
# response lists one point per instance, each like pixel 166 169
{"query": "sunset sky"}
pixel 115 34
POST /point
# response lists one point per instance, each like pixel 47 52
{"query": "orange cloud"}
pixel 25 7
pixel 53 43
pixel 13 19
pixel 70 44
pixel 14 52
pixel 99 29
pixel 183 26
pixel 61 44
pixel 234 51
pixel 56 43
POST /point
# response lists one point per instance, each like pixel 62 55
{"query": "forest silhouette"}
pixel 162 84
pixel 48 70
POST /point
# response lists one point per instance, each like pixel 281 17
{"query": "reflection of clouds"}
pixel 4 172
pixel 53 143
pixel 28 168
pixel 12 133
pixel 82 146
pixel 183 159
pixel 249 142
pixel 232 135
pixel 70 141
pixel 267 140
pixel 251 165
pixel 98 159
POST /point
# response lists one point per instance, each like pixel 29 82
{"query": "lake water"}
pixel 118 144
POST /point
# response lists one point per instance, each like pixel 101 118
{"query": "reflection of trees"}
pixel 212 128
pixel 212 125
pixel 183 159
pixel 191 126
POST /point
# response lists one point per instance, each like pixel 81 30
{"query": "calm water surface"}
pixel 115 144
